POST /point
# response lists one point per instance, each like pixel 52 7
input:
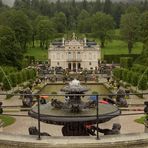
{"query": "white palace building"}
pixel 74 54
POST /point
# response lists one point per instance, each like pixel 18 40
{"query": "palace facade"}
pixel 74 54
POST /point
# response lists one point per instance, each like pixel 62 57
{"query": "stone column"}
pixel 63 41
pixel 76 67
pixel 72 66
pixel 84 41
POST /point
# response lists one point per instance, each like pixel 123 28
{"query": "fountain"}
pixel 74 113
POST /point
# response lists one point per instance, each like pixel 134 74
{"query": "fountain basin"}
pixel 51 115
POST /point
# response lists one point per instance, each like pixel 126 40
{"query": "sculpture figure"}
pixel 115 129
pixel 120 99
pixel 34 131
pixel 27 98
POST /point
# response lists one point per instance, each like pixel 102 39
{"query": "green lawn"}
pixel 38 53
pixel 114 47
pixel 120 47
pixel 140 120
pixel 7 120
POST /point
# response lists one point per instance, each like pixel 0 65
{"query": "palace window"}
pixel 78 56
pixel 69 56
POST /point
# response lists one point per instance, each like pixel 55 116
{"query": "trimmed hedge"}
pixel 126 62
pixel 5 70
pixel 6 83
pixel 116 58
pixel 18 78
pixel 140 68
pixel 118 73
pixel 142 84
pixel 131 77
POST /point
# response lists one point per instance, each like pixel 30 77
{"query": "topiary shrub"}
pixel 19 77
pixel 142 84
pixel 124 75
pixel 13 79
pixel 117 72
pixel 95 93
pixel 1 76
pixel 6 83
pixel 129 76
pixel 134 79
pixel 24 75
pixel 139 68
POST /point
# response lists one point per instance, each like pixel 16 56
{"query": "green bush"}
pixel 129 76
pixel 13 79
pixel 6 83
pixel 140 68
pixel 134 79
pixel 125 75
pixel 19 77
pixel 142 83
pixel 8 69
pixel 94 93
pixel 116 58
pixel 1 76
pixel 117 72
pixel 27 74
pixel 24 75
pixel 32 73
pixel 126 62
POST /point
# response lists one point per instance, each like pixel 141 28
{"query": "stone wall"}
pixel 122 141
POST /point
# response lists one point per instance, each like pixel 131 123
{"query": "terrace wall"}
pixel 122 141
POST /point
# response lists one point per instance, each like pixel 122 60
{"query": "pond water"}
pixel 52 88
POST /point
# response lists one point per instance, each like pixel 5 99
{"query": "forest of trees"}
pixel 31 20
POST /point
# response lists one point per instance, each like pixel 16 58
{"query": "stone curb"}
pixel 116 141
